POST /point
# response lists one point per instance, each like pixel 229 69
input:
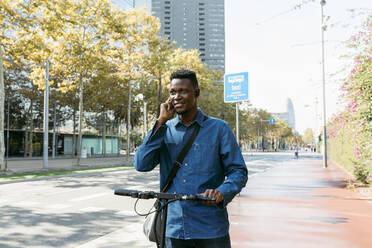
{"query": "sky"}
pixel 280 48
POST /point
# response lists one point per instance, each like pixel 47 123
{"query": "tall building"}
pixel 196 24
pixel 288 116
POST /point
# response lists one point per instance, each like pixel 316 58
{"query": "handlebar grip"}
pixel 125 192
pixel 197 198
pixel 204 198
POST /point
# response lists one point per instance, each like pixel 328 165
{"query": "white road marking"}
pixel 127 213
pixel 61 191
pixel 26 203
pixel 88 197
pixel 58 206
pixel 91 209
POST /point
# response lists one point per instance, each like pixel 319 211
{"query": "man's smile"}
pixel 178 104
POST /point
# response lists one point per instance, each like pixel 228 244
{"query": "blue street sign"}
pixel 236 87
pixel 272 121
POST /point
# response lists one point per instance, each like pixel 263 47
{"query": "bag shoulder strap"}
pixel 181 156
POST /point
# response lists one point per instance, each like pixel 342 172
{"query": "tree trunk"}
pixel 54 131
pixel 119 138
pixel 103 135
pixel 128 119
pixel 73 134
pixel 112 140
pixel 2 96
pixel 159 96
pixel 80 121
pixel 31 129
pixel 26 144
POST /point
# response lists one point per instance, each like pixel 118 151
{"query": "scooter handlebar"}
pixel 160 195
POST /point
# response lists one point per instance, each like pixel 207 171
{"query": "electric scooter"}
pixel 166 198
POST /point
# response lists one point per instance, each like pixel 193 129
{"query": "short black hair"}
pixel 181 74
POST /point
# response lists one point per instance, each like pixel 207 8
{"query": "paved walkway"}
pixel 16 166
pixel 35 164
pixel 301 204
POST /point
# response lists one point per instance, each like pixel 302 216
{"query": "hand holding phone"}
pixel 167 111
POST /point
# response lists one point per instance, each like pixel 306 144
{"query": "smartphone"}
pixel 170 105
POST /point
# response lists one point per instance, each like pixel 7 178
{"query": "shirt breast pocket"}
pixel 205 157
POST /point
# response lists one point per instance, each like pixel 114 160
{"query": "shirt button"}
pixel 186 164
pixel 184 180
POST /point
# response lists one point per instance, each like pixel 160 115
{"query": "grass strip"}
pixel 31 175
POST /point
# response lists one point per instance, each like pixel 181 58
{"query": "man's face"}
pixel 183 96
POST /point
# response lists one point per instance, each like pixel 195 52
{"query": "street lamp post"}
pixel 237 122
pixel 129 104
pixel 322 3
pixel 2 95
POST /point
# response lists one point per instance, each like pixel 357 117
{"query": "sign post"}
pixel 236 90
pixel 237 122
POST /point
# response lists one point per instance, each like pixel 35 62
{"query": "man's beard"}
pixel 187 110
pixel 182 112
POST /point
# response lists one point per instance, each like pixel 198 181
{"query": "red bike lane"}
pixel 300 204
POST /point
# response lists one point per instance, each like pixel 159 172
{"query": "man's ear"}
pixel 197 92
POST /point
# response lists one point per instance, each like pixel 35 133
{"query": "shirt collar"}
pixel 199 119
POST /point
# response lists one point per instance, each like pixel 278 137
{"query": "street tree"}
pixel 308 137
pixel 7 16
pixel 15 17
pixel 73 29
pixel 129 33
pixel 156 63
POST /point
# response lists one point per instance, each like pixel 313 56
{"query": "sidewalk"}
pixel 35 164
pixel 301 204
pixel 17 166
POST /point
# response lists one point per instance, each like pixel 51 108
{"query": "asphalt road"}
pixel 81 210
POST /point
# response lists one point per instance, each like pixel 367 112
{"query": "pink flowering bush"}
pixel 363 173
pixel 350 132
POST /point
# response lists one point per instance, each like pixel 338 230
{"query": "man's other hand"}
pixel 212 193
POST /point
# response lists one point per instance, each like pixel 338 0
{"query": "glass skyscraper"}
pixel 288 116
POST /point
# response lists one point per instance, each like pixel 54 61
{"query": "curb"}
pixel 37 178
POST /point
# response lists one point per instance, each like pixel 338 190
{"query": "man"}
pixel 213 167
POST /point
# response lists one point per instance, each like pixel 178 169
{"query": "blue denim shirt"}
pixel 213 162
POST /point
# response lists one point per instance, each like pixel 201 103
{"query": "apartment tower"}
pixel 196 24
